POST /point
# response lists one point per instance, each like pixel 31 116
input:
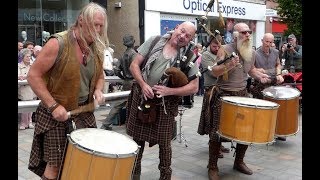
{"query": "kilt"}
pixel 50 138
pixel 215 105
pixel 160 132
pixel 205 121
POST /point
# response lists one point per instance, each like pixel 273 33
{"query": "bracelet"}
pixel 53 107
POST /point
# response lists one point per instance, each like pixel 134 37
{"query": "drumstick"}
pixel 85 108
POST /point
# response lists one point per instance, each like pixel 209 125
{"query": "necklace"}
pixel 84 55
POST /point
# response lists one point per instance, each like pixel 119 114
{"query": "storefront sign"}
pixel 45 15
pixel 228 8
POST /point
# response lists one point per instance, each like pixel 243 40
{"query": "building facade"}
pixel 142 18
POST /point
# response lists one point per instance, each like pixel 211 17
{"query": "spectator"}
pixel 294 52
pixel 25 92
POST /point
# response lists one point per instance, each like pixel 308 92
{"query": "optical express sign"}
pixel 228 8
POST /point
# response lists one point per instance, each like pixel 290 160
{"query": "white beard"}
pixel 245 49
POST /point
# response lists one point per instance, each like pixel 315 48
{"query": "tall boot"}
pixel 137 167
pixel 238 162
pixel 214 148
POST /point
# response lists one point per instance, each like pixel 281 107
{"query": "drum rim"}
pixel 276 106
pixel 99 153
pixel 245 142
pixel 289 98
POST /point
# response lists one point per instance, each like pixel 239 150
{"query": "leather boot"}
pixel 224 149
pixel 238 162
pixel 220 154
pixel 214 149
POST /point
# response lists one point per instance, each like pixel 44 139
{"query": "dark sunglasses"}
pixel 245 32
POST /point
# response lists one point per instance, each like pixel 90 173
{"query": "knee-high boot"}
pixel 214 148
pixel 137 167
pixel 238 162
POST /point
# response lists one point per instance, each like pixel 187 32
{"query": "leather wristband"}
pixel 53 107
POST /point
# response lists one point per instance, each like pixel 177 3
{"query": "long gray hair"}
pixel 100 41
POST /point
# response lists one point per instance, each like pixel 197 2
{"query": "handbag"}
pixel 147 112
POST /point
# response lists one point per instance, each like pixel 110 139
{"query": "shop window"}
pixel 40 18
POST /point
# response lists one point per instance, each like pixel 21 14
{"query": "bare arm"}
pixel 98 92
pixel 278 71
pixel 258 75
pixel 136 73
pixel 44 62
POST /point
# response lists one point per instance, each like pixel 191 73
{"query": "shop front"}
pixel 164 15
pixel 40 18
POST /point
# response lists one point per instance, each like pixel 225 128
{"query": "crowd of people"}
pixel 69 71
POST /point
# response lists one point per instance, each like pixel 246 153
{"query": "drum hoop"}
pixel 255 106
pixel 294 97
pixel 245 142
pixel 101 154
pixel 287 135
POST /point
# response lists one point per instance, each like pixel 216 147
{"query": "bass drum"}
pixel 288 113
pixel 97 154
pixel 247 120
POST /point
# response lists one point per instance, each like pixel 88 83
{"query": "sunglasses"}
pixel 245 32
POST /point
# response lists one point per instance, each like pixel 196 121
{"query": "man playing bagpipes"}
pixel 153 106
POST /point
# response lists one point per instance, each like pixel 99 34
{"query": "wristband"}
pixel 53 107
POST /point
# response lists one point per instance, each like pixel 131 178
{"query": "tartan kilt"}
pixel 50 138
pixel 215 105
pixel 160 132
pixel 205 121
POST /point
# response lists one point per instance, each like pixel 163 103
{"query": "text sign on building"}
pixel 271 12
pixel 228 8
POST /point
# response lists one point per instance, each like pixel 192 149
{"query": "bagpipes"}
pixel 174 77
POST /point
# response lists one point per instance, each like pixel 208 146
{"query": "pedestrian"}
pixel 122 71
pixel 166 52
pixel 231 81
pixel 268 62
pixel 208 57
pixel 68 73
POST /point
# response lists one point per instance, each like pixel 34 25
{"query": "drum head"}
pixel 281 92
pixel 103 141
pixel 246 101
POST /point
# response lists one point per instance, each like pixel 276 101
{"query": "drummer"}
pixel 267 61
pixel 231 81
pixel 68 73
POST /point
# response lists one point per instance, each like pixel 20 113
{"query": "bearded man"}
pixel 231 81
